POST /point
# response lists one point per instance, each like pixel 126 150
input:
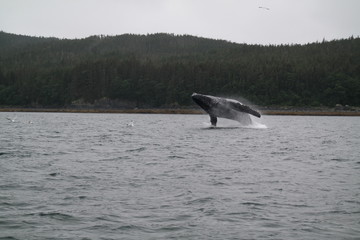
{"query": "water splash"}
pixel 256 124
pixel 226 124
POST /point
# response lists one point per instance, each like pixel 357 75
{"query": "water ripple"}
pixel 88 176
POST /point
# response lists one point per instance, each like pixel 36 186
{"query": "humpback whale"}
pixel 218 107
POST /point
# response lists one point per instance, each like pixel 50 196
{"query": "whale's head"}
pixel 204 101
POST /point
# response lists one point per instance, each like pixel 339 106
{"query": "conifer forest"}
pixel 163 70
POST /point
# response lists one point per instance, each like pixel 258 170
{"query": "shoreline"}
pixel 291 112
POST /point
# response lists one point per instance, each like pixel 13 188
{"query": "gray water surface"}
pixel 90 176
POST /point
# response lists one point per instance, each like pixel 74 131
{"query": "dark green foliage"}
pixel 163 70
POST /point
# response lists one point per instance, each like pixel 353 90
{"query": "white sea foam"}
pixel 225 123
pixel 256 124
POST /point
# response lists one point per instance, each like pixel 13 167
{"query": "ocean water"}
pixel 95 176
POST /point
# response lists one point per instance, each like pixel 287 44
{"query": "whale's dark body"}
pixel 224 108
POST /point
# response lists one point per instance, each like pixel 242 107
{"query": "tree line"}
pixel 158 70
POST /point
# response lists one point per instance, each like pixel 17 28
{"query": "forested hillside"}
pixel 160 70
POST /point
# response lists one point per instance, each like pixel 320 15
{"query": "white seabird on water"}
pixel 130 124
pixel 11 119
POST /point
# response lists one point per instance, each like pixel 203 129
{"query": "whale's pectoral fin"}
pixel 243 108
pixel 213 120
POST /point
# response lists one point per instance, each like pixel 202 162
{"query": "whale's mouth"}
pixel 203 101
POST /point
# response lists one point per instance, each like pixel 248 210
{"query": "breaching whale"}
pixel 224 108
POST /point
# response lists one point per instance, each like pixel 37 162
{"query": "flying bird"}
pixel 265 8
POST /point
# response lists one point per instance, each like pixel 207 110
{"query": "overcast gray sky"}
pixel 242 21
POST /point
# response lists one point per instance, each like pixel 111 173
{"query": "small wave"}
pixel 13 204
pixel 218 183
pixel 128 227
pixel 136 149
pixel 175 156
pixel 8 238
pixel 200 200
pixel 81 177
pixel 57 215
pixel 328 142
pixel 339 159
pixel 170 228
pixel 253 204
pixel 293 205
pixel 151 163
pixel 54 174
pixel 114 159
